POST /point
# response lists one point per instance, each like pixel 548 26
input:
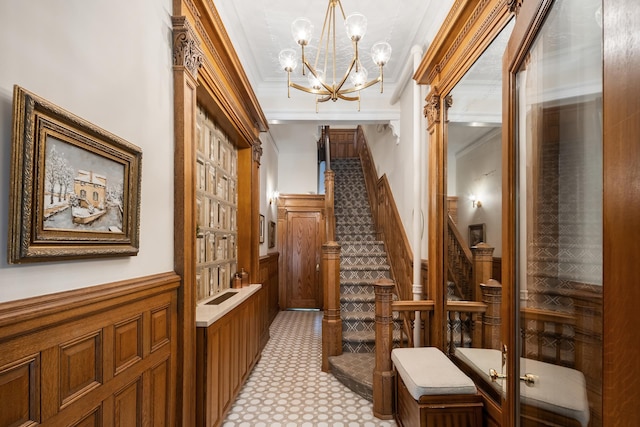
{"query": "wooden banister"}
pixel 330 278
pixel 383 374
pixel 388 223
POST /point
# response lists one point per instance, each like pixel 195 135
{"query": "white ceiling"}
pixel 259 30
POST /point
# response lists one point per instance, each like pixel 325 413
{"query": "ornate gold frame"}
pixel 37 123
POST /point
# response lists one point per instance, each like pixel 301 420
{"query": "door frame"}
pixel 297 203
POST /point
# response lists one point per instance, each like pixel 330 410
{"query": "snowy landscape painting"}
pixel 82 191
pixel 75 188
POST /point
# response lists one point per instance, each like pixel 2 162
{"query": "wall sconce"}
pixel 475 202
pixel 274 197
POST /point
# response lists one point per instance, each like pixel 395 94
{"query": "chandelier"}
pixel 322 77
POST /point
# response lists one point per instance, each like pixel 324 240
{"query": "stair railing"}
pixel 388 224
pixel 460 262
pixel 383 373
pixel 330 275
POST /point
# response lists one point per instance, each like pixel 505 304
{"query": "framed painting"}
pixel 261 228
pixel 75 188
pixel 272 234
pixel 476 234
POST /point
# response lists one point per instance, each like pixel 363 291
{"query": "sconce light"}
pixel 475 202
pixel 274 197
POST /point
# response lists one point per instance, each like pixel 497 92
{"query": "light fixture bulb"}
pixel 356 25
pixel 316 82
pixel 359 78
pixel 287 58
pixel 302 30
pixel 381 53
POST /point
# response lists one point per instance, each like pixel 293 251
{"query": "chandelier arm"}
pixel 341 10
pixel 338 87
pixel 359 88
pixel 309 90
pixel 322 34
pixel 334 45
pixel 329 89
pixel 348 98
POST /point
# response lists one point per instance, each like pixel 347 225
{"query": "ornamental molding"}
pixel 432 107
pixel 186 47
pixel 514 6
pixel 257 151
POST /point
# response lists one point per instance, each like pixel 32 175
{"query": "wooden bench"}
pixel 432 391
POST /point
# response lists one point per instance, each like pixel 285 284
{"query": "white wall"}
pixel 298 159
pixel 268 185
pixel 479 172
pixel 394 157
pixel 109 62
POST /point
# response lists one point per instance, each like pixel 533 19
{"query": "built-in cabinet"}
pixel 217 123
pixel 226 352
pixel 562 75
pixel 216 207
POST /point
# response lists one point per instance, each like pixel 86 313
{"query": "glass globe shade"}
pixel 287 58
pixel 302 30
pixel 380 53
pixel 316 82
pixel 356 25
pixel 359 78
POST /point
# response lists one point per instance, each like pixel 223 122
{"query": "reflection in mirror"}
pixel 474 231
pixel 559 217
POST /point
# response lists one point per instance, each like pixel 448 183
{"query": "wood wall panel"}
pixel 94 419
pixel 128 405
pixel 128 344
pixel 19 392
pixel 59 370
pixel 160 328
pixel 269 278
pixel 80 367
pixel 159 393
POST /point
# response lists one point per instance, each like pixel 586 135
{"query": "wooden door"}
pixel 303 272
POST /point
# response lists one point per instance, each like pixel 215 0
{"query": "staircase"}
pixel 363 260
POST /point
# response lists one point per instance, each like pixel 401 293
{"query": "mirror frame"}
pixel 467 31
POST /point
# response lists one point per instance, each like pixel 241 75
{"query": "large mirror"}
pixel 558 214
pixel 474 221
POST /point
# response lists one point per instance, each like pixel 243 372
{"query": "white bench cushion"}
pixel 428 371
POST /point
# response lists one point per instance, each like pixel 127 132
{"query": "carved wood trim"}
pixel 186 47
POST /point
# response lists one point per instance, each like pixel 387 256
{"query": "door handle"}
pixel 317 267
pixel 528 379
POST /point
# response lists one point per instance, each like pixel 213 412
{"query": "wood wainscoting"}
pixel 269 278
pixel 98 356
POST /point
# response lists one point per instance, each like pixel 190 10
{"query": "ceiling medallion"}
pixel 323 81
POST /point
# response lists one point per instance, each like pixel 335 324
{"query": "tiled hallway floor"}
pixel 287 387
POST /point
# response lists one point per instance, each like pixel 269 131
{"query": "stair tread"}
pixel 365 336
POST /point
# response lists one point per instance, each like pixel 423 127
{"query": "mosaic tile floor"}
pixel 287 387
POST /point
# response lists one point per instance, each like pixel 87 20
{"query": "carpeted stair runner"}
pixel 363 260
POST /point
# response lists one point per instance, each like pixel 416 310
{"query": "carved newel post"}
pixel 482 266
pixel 383 373
pixel 331 321
pixel 491 325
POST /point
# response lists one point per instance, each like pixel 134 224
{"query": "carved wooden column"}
pixel 331 321
pixel 383 373
pixel 492 323
pixel 482 267
pixel 187 59
pixel 329 185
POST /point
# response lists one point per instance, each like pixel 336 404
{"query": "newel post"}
pixel 482 266
pixel 331 321
pixel 383 373
pixel 491 323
